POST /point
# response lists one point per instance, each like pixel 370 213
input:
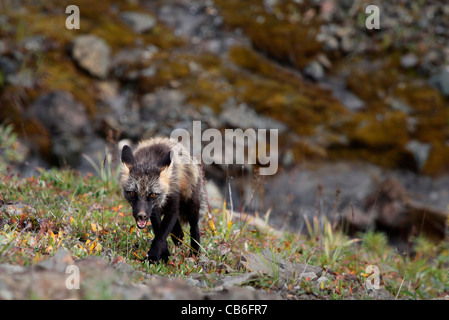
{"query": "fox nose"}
pixel 142 215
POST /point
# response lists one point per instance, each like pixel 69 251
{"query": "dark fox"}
pixel 163 184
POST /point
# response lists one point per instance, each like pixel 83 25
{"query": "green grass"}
pixel 88 215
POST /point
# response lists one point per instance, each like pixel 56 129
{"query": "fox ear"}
pixel 166 161
pixel 128 157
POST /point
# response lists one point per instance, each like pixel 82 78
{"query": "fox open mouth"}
pixel 141 224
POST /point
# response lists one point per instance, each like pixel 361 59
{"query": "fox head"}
pixel 145 182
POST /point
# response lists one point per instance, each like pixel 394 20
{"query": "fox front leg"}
pixel 159 247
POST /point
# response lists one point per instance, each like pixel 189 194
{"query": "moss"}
pixel 205 91
pixel 97 17
pixel 14 101
pixel 204 85
pixel 169 69
pixel 376 83
pixel 386 158
pixel 303 151
pixel 57 71
pixel 438 161
pixel 52 26
pixel 208 62
pixel 372 85
pixel 376 138
pixel 379 131
pixel 279 93
pixel 250 60
pixel 277 33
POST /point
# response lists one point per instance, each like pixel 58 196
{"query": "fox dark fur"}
pixel 163 184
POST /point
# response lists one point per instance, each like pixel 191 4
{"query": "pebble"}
pixel 409 60
pixel 137 21
pixel 314 70
pixel 420 151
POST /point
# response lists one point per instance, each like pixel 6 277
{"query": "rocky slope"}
pixel 334 90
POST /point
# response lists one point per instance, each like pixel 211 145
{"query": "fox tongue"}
pixel 141 223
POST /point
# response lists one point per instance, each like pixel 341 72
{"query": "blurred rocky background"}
pixel 362 114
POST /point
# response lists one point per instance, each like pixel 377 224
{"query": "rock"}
pixel 193 282
pixel 380 294
pixel 11 269
pixel 194 20
pixel 137 21
pixel 271 264
pixel 59 112
pixel 127 63
pixel 231 281
pixel 123 267
pixel 346 97
pixel 93 148
pixel 67 148
pixel 243 293
pixel 446 297
pixel 297 191
pixel 390 208
pixel 163 105
pixel 58 262
pixel 92 54
pixel 288 159
pixel 359 218
pixel 409 60
pixel 66 121
pixel 420 152
pixel 441 81
pixel 314 70
pixel 388 201
pixel 269 4
pixel 330 43
pixel 8 65
pixel 36 43
pixel 349 100
pixel 25 78
pixel 172 289
pixel 431 60
pixel 399 105
pixel 243 117
pixel 327 9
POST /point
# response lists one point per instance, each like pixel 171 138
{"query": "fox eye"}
pixel 152 195
pixel 132 194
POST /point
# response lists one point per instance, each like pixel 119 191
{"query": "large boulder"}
pixel 66 121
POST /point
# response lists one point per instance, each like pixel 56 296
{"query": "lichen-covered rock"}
pixel 92 54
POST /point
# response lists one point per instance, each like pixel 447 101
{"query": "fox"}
pixel 163 184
